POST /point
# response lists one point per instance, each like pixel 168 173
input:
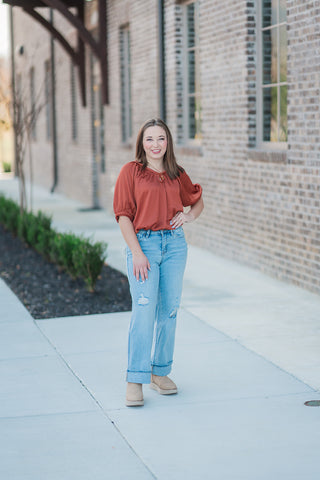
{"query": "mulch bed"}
pixel 48 292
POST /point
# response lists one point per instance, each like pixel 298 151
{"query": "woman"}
pixel 149 197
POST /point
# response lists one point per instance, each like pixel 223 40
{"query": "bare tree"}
pixel 5 100
pixel 24 118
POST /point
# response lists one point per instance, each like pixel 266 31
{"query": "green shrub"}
pixel 64 244
pixel 36 231
pixel 6 167
pixel 9 214
pixel 88 260
pixel 26 227
pixel 45 239
pixel 3 204
pixel 77 255
pixel 44 234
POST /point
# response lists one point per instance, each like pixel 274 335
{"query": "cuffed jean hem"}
pixel 161 371
pixel 139 377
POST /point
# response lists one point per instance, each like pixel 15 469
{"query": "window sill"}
pixel 268 156
pixel 192 150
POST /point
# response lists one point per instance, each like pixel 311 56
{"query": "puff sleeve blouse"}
pixel 151 199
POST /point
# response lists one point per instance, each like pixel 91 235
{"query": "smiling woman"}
pixel 149 199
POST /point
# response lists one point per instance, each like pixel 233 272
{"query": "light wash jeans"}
pixel 155 303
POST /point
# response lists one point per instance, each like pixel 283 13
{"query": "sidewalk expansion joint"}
pixel 105 414
pixel 42 415
pixel 238 342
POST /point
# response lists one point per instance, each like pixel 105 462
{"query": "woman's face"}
pixel 154 143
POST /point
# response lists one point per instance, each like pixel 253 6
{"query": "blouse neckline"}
pixel 151 170
pixel 155 171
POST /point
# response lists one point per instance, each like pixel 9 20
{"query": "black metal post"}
pixel 54 117
pixel 161 50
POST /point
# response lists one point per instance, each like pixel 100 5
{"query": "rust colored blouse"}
pixel 151 199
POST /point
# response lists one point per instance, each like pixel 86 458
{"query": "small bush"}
pixel 45 239
pixel 6 167
pixel 64 244
pixel 36 231
pixel 44 234
pixel 88 260
pixel 3 203
pixel 9 214
pixel 77 255
pixel 27 228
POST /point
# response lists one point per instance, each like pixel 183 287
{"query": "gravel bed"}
pixel 48 292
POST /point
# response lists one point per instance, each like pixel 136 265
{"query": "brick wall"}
pixel 74 157
pixel 261 206
pixel 142 20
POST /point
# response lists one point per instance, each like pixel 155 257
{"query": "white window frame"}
pixel 263 145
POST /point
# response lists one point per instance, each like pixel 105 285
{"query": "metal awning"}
pixel 85 37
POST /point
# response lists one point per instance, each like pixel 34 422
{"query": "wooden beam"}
pixel 76 22
pixel 57 35
pixel 99 47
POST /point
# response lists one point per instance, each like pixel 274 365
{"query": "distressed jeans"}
pixel 155 303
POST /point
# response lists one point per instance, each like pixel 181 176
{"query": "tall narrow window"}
pixel 188 72
pixel 102 139
pixel 193 104
pixel 126 124
pixel 97 117
pixel 274 71
pixel 33 104
pixel 74 119
pixel 48 99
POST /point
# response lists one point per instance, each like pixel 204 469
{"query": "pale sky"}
pixel 4 29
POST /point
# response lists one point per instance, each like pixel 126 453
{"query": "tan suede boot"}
pixel 163 385
pixel 134 397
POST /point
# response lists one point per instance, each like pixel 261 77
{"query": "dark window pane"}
pixel 102 139
pixel 129 86
pixel 125 84
pixel 283 128
pixel 269 12
pixel 269 38
pixel 266 56
pixel 192 118
pixel 190 25
pixel 270 116
pixel 48 98
pixel 74 126
pixel 283 53
pixel 192 71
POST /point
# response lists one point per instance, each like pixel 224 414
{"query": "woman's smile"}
pixel 155 143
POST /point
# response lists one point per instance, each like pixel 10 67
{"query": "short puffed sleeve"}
pixel 123 200
pixel 190 192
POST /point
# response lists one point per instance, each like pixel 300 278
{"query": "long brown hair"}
pixel 169 160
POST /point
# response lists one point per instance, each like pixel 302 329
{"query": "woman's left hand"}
pixel 179 219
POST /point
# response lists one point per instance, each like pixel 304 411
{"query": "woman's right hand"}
pixel 140 262
pixel 141 266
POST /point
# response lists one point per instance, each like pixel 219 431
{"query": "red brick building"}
pixel 238 83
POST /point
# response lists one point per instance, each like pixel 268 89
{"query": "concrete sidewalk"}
pixel 247 358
